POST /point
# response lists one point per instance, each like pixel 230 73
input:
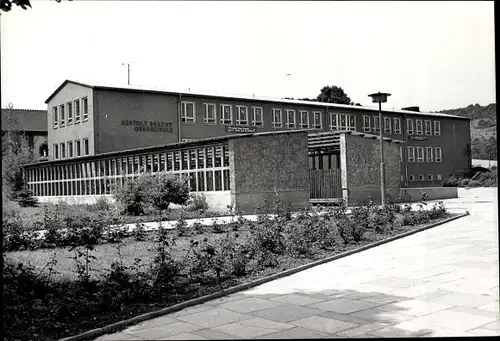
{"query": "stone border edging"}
pixel 147 316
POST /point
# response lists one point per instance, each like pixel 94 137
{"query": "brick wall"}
pixel 261 166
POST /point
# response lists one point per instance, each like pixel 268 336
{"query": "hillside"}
pixel 483 128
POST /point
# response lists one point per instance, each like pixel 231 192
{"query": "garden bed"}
pixel 104 284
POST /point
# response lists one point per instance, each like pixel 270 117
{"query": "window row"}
pixel 244 116
pixel 371 123
pixel 62 115
pixel 421 177
pixel 71 149
pixel 342 121
pixel 200 181
pixel 422 127
pixel 432 154
pixel 185 160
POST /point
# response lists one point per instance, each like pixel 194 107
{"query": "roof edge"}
pixel 63 85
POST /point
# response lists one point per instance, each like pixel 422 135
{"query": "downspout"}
pixel 403 128
pixel 179 118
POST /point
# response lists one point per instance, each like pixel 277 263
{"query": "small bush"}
pixel 139 233
pixel 199 202
pixel 102 204
pixel 26 198
pixel 182 228
pixel 450 182
pixel 464 183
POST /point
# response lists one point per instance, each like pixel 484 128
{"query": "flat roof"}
pixel 243 97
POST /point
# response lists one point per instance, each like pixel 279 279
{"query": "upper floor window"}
pixel 387 125
pixel 76 105
pixel 420 154
pixel 376 124
pixel 55 117
pixel 209 116
pixel 429 153
pixel 421 177
pixel 438 177
pixel 85 108
pixel 276 118
pixel 257 116
pixel 290 118
pixel 409 126
pixel 334 124
pixel 304 119
pixel 317 121
pixel 241 115
pixel 69 106
pixel 430 177
pixel 226 114
pixel 428 127
pixel 412 177
pixel 62 115
pixel 342 120
pixel 438 154
pixel 351 122
pixel 397 125
pixel 418 127
pixel 411 154
pixel 188 114
pixel 63 150
pixel 78 148
pixel 437 128
pixel 366 123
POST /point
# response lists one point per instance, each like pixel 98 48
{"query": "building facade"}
pixel 86 120
pixel 30 125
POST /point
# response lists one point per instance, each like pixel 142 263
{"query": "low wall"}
pixel 433 193
pixel 217 200
pixel 361 193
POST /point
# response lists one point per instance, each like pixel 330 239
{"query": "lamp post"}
pixel 381 97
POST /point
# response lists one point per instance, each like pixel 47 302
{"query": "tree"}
pixel 334 94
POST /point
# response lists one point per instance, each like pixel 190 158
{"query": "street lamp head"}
pixel 379 97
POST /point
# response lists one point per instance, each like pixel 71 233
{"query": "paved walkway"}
pixel 440 282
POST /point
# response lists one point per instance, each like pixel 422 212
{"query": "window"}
pixel 85 105
pixel 409 126
pixel 366 123
pixel 241 115
pixel 397 125
pixel 86 147
pixel 78 148
pixel 304 119
pixel 428 127
pixel 430 177
pixel 209 116
pixel 412 177
pixel 334 123
pixel 376 124
pixel 387 125
pixel 187 112
pixel 437 128
pixel 429 153
pixel 257 116
pixel 63 150
pixel 421 177
pixel 351 123
pixel 411 154
pixel 342 119
pixel 437 154
pixel 317 121
pixel 420 154
pixel 54 116
pixel 277 123
pixel 418 127
pixel 70 149
pixel 69 106
pixel 438 177
pixel 56 151
pixel 76 106
pixel 226 116
pixel 61 113
pixel 290 118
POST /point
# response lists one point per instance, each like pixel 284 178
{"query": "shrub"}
pixel 216 227
pixel 139 233
pixel 102 204
pixel 474 183
pixel 199 202
pixel 26 198
pixel 182 228
pixel 464 183
pixel 450 182
pixel 167 189
pixel 132 195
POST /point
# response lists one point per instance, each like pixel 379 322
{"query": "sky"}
pixel 436 55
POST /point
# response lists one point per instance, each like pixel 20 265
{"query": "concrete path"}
pixel 440 282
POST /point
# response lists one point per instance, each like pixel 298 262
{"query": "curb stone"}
pixel 147 316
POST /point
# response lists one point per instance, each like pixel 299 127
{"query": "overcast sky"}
pixel 437 55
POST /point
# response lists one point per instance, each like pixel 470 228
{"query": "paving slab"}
pixel 439 282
